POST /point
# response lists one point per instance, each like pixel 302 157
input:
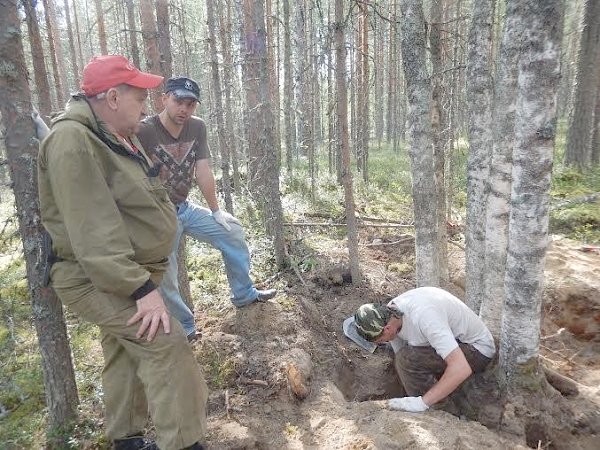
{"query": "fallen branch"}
pixel 456 244
pixel 254 382
pixel 360 225
pixel 589 198
pixel 406 240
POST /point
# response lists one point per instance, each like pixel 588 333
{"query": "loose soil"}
pixel 251 405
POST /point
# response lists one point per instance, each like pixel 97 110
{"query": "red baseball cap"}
pixel 107 71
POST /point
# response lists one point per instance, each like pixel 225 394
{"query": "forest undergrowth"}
pixel 385 197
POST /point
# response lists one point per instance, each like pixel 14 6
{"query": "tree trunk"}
pixel 22 149
pixel 226 50
pixel 342 126
pixel 535 128
pixel 216 85
pixel 392 98
pixel 135 51
pixel 596 138
pixel 101 28
pixel 164 37
pixel 479 102
pixel 421 147
pixel 42 87
pixel 500 178
pixel 439 133
pixel 288 96
pixel 263 166
pixel 272 50
pixel 78 35
pixel 56 52
pixel 74 65
pixel 578 151
pixel 183 279
pixel 151 45
pixel 365 119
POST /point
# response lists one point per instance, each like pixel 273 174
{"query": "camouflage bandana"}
pixel 370 319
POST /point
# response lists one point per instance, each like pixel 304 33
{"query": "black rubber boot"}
pixel 134 442
pixel 196 446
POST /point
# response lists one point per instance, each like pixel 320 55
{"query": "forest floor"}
pixel 251 405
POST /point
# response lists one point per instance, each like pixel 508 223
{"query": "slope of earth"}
pixel 247 354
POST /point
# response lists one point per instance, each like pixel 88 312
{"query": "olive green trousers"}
pixel 160 377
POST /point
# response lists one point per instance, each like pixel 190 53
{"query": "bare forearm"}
pixel 457 371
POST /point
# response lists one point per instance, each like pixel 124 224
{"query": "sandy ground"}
pixel 252 406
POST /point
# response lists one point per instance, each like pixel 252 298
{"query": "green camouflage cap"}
pixel 370 319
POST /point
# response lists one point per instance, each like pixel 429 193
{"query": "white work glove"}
pixel 410 404
pixel 41 129
pixel 222 218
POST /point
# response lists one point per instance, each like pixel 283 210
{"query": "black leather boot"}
pixel 134 442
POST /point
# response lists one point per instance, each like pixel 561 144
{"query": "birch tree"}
pixel 479 101
pixel 535 131
pixel 500 178
pixel 418 84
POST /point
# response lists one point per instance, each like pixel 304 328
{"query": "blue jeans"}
pixel 197 222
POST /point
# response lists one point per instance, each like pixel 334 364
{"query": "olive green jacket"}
pixel 111 222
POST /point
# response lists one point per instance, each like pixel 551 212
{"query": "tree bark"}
pixel 439 125
pixel 149 35
pixel 101 28
pixel 263 165
pixel 288 97
pixel 479 102
pixel 226 51
pixel 74 65
pixel 578 151
pixel 22 149
pixel 500 178
pixel 135 51
pixel 164 37
pixel 56 53
pixel 342 126
pixel 418 85
pixel 37 55
pixel 535 130
pixel 216 85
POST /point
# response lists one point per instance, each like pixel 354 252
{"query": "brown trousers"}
pixel 140 377
pixel 419 368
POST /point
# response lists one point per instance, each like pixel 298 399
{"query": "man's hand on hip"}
pixel 152 312
pixel 222 217
pixel 410 404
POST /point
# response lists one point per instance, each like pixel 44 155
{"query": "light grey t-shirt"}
pixel 437 318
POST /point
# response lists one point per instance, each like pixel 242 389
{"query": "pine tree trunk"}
pixel 421 146
pixel 263 165
pixel 225 32
pixel 596 138
pixel 135 51
pixel 535 128
pixel 439 133
pixel 392 79
pixel 271 22
pixel 42 87
pixel 500 178
pixel 183 279
pixel 22 149
pixel 578 151
pixel 288 96
pixel 149 35
pixel 78 35
pixel 342 117
pixel 74 65
pixel 218 111
pixel 365 121
pixel 101 28
pixel 164 38
pixel 479 102
pixel 57 54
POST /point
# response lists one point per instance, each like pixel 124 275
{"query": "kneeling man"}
pixel 445 343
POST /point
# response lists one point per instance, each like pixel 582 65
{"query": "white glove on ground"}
pixel 410 404
pixel 41 129
pixel 222 217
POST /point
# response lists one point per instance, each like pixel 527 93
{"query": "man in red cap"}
pixel 112 227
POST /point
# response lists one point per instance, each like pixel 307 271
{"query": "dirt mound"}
pixel 251 406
